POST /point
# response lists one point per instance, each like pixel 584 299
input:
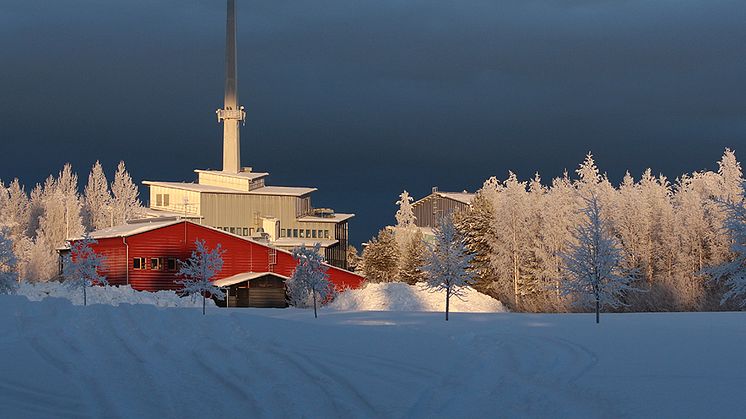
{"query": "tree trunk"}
pixel 203 303
pixel 448 298
pixel 598 310
pixel 85 296
pixel 315 316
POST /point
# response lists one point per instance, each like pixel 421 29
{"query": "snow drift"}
pixel 397 296
pixel 106 295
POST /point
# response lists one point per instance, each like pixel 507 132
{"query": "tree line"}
pixel 671 235
pixel 40 222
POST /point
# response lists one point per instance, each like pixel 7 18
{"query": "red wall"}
pixel 178 241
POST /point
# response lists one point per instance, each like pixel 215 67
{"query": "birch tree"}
pixel 309 277
pixel 592 263
pixel 8 264
pixel 198 272
pixel 82 266
pixel 448 260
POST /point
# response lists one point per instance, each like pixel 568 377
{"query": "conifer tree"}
pixel 124 196
pixel 98 211
pixel 8 264
pixel 413 259
pixel 381 258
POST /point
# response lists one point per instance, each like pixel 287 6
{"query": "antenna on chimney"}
pixel 232 113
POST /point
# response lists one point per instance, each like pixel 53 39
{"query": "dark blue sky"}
pixel 365 98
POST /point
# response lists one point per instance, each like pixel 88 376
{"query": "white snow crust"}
pixel 66 361
pixel 109 295
pixel 397 296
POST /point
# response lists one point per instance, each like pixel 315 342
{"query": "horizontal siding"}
pixel 178 241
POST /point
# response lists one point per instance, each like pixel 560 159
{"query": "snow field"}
pixel 397 296
pixel 62 360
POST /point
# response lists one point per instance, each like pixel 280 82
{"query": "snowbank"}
pixel 106 295
pixel 398 296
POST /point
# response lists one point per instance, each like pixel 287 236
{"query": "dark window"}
pixel 245 231
pixel 138 264
pixel 326 234
pixel 282 232
pixel 302 233
pixel 171 264
pixel 308 233
pixel 295 232
pixel 233 230
pixel 313 233
pixel 156 264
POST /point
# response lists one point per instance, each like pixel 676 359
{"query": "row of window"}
pixel 304 233
pixel 241 231
pixel 154 264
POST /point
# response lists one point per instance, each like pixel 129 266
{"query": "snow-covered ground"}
pixel 106 295
pixel 61 360
pixel 397 296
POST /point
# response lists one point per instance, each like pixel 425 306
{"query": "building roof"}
pixel 282 190
pixel 243 277
pixel 296 242
pixel 137 227
pixel 336 218
pixel 463 197
pixel 159 213
pixel 266 190
pixel 240 175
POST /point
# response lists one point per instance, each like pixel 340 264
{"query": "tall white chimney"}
pixel 232 114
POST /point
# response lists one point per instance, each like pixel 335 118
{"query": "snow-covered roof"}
pixel 295 242
pixel 241 175
pixel 463 197
pixel 336 218
pixel 243 277
pixel 266 190
pixel 126 230
pixel 155 212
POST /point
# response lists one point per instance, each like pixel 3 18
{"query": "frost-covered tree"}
pixel 8 264
pixel 309 278
pixel 82 266
pixel 198 272
pixel 381 258
pixel 124 196
pixel 353 258
pixel 97 209
pixel 733 272
pixel 592 264
pixel 15 213
pixel 405 214
pixel 448 259
pixel 413 259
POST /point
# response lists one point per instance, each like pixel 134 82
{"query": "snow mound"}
pixel 109 295
pixel 397 296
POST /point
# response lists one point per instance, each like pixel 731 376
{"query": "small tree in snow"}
pixel 81 266
pixel 309 278
pixel 592 263
pixel 8 264
pixel 199 270
pixel 447 266
pixel 733 272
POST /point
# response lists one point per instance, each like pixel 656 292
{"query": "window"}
pixel 321 234
pixel 245 231
pixel 251 231
pixel 313 233
pixel 233 230
pixel 302 233
pixel 326 234
pixel 282 232
pixel 171 264
pixel 165 199
pixel 159 200
pixel 295 232
pixel 156 264
pixel 308 233
pixel 138 264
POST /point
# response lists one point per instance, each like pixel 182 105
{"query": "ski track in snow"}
pixel 140 361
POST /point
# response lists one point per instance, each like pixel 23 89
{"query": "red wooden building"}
pixel 145 255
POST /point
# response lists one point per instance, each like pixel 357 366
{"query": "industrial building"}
pixel 238 200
